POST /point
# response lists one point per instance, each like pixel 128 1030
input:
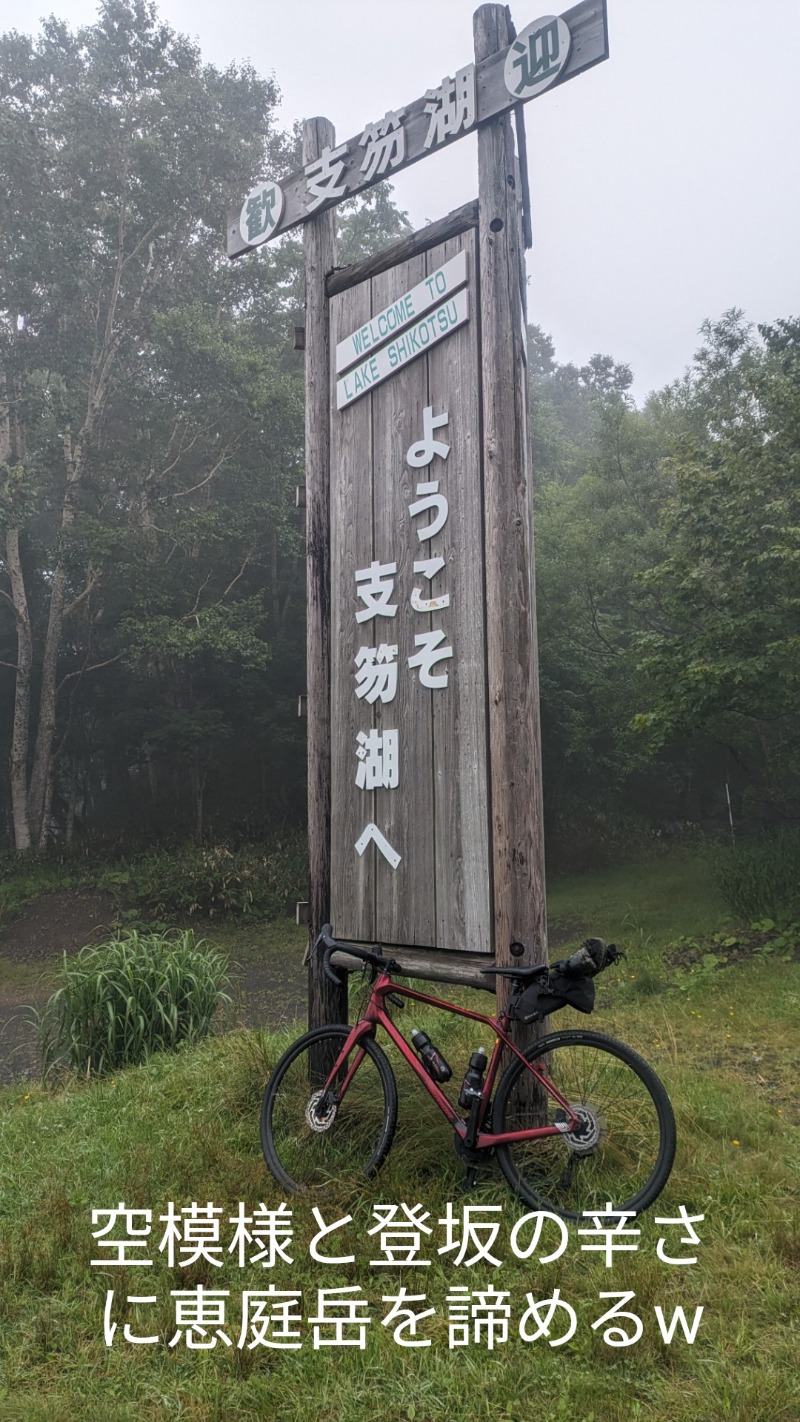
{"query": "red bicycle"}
pixel 578 1122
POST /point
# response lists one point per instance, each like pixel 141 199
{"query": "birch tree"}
pixel 119 151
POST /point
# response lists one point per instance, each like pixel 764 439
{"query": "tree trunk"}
pixel 75 453
pixel 273 574
pixel 47 803
pixel 22 696
pixel 12 452
pixel 152 774
pixel 47 704
pixel 46 724
pixel 198 785
pixel 72 800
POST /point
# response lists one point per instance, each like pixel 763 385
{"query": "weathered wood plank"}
pixel 437 817
pixel 352 547
pixel 589 30
pixel 460 220
pixel 406 896
pixel 462 861
pixel 514 738
pixel 326 1001
pixel 461 969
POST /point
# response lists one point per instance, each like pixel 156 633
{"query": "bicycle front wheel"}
pixel 314 1140
pixel 622 1152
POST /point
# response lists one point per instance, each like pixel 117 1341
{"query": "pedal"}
pixel 476 1162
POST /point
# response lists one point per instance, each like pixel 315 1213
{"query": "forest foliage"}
pixel 151 437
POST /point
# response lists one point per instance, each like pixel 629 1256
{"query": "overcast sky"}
pixel 664 181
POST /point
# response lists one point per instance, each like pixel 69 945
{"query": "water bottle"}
pixel 473 1081
pixel 433 1061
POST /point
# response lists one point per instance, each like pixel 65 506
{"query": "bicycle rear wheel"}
pixel 624 1150
pixel 312 1141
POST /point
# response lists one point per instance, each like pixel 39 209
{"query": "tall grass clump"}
pixel 761 877
pixel 137 994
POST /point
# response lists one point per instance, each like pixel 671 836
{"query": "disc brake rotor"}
pixel 320 1120
pixel 587 1136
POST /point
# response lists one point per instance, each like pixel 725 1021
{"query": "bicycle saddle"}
pixel 525 975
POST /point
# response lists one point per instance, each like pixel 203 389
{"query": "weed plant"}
pixel 217 881
pixel 174 881
pixel 140 993
pixel 761 877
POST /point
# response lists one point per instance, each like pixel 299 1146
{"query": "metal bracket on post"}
pixel 522 151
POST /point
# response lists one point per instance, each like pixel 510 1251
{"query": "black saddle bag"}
pixel 569 983
pixel 559 991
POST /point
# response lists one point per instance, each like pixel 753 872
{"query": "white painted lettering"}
pixel 409 307
pixel 404 347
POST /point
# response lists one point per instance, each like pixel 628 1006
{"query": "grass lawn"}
pixel 658 901
pixel 184 1129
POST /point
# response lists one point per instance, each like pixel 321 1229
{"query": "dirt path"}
pixel 31 948
pixel 56 923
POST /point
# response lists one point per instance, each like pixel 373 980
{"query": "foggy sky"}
pixel 664 181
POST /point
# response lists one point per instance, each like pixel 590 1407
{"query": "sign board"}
pixel 537 57
pixel 261 212
pixel 401 349
pixel 407 308
pixel 410 857
pixel 549 51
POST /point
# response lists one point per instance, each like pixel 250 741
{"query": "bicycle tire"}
pixel 309 1158
pixel 627 1146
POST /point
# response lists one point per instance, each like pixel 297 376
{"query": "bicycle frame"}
pixel 376 1015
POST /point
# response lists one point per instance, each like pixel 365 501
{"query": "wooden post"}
pixel 514 732
pixel 326 1002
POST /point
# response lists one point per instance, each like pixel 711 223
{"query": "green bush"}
pixel 761 877
pixel 582 839
pixel 137 994
pixel 217 881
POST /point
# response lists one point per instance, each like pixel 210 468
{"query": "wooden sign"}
pixel 408 307
pixel 547 52
pixel 537 57
pixel 405 347
pixel 425 818
pixel 410 858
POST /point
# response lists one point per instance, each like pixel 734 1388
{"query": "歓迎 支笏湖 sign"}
pixel 261 212
pixel 537 56
pixel 551 50
pixel 412 342
pixel 407 308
